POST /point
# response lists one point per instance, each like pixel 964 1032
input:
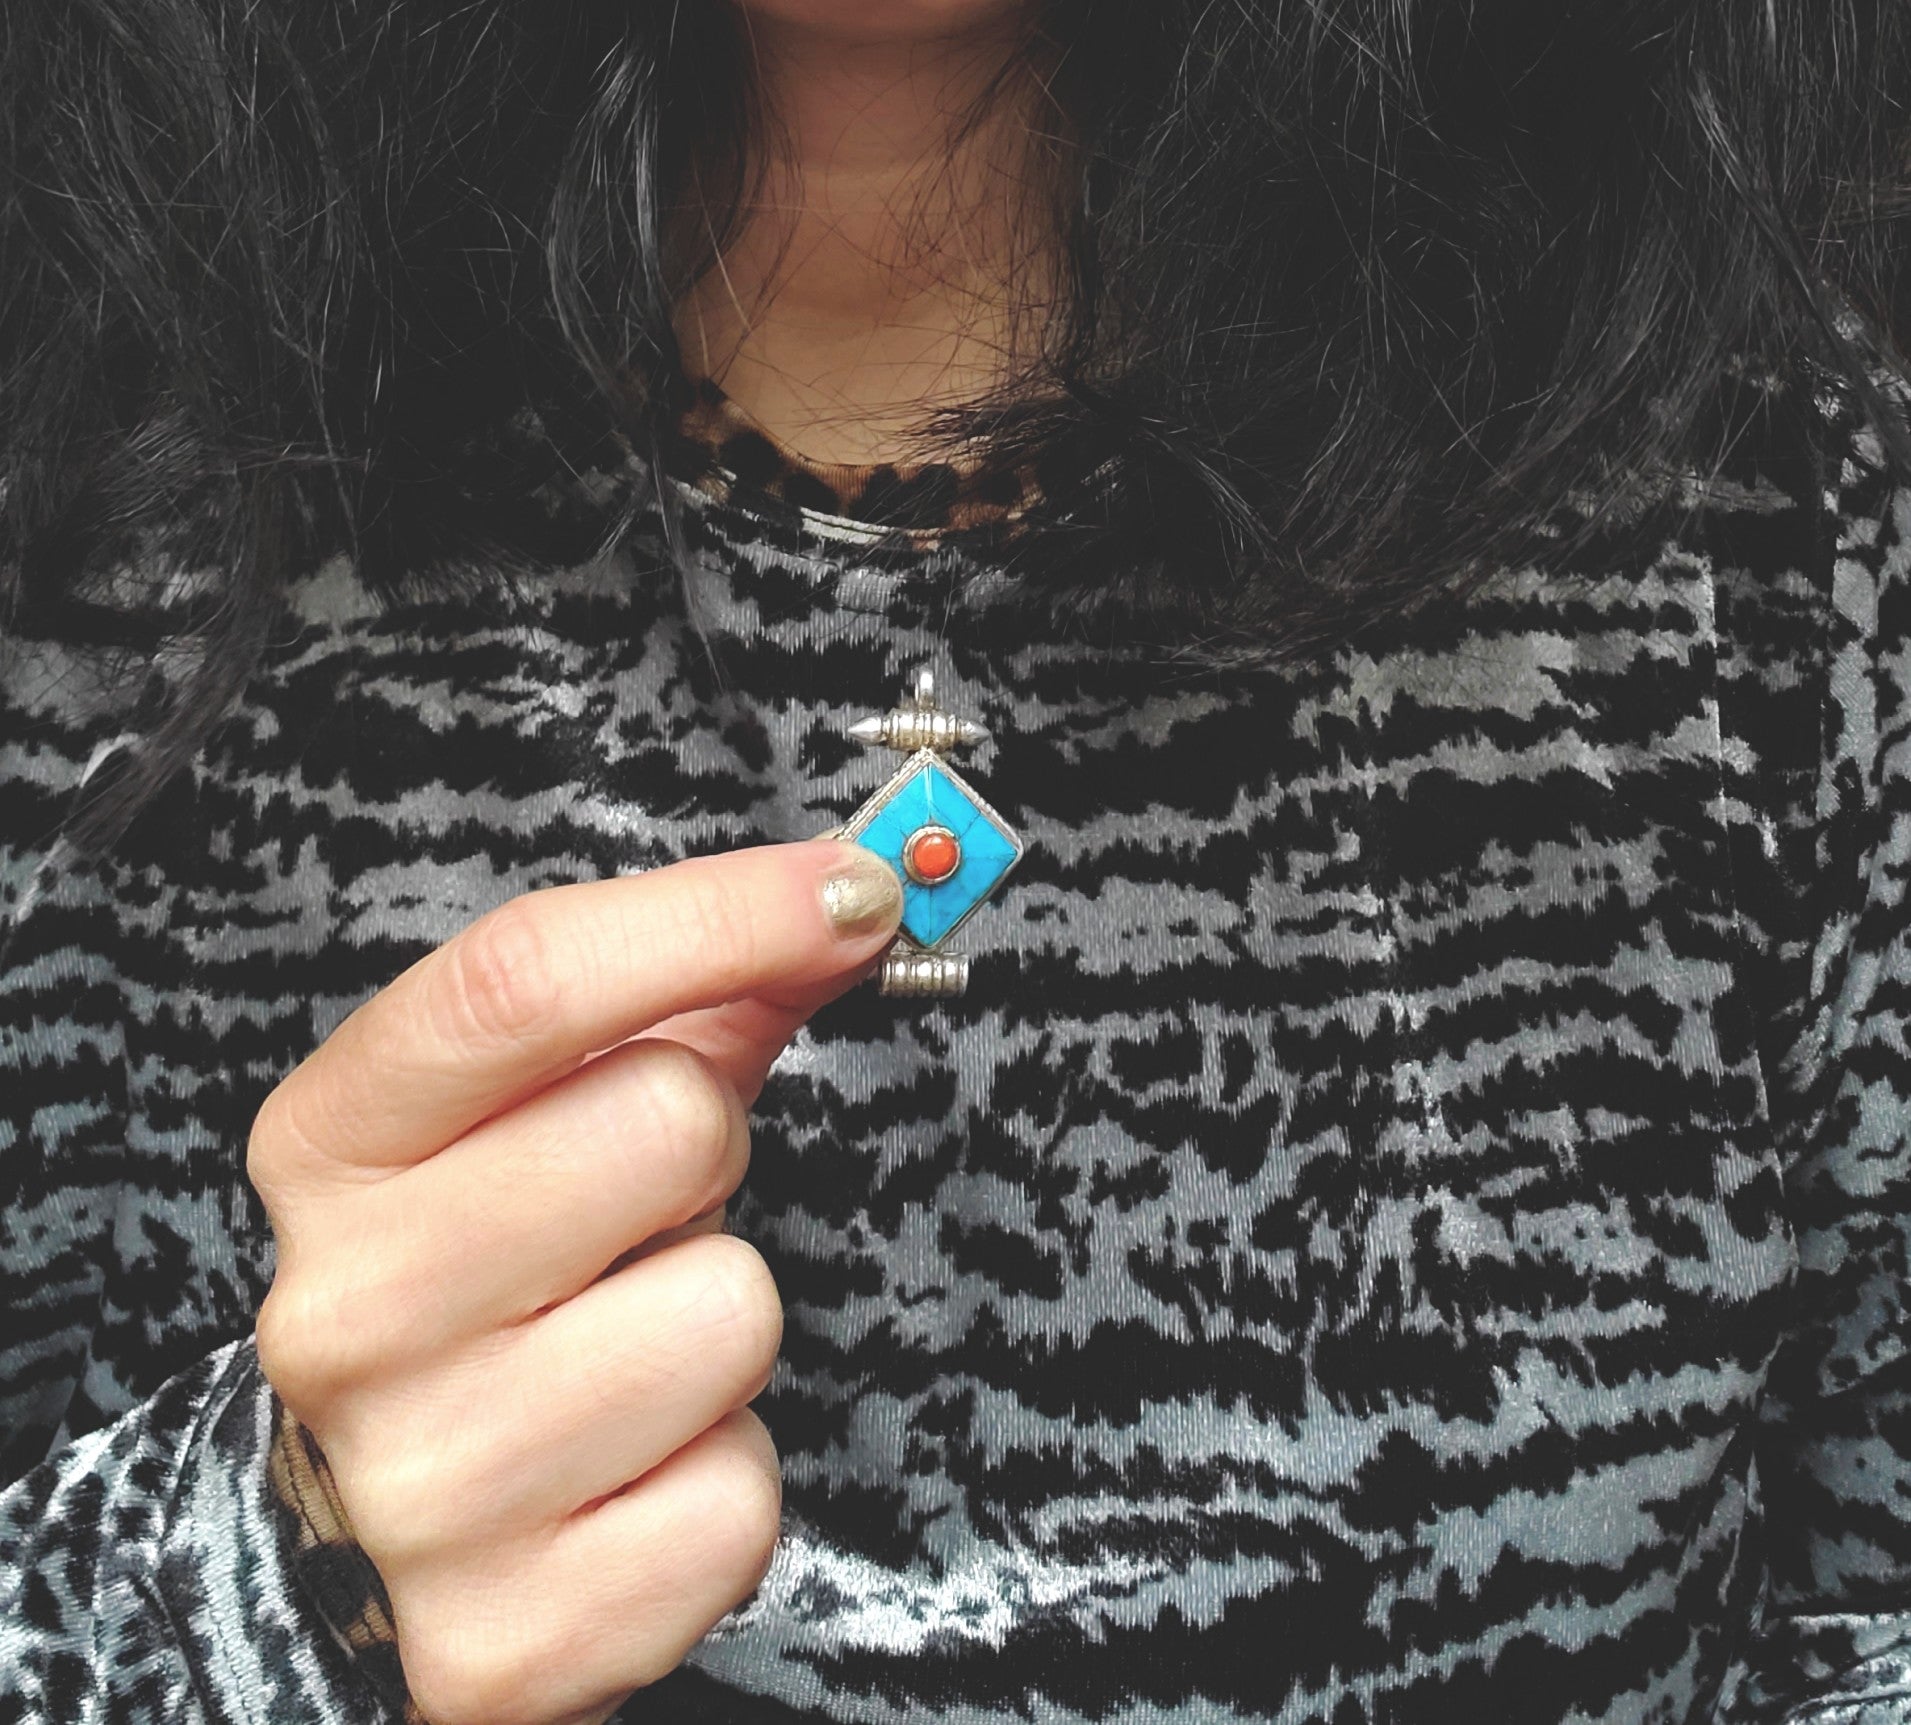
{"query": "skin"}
pixel 870 283
pixel 503 1302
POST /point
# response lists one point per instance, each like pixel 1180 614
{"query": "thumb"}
pixel 742 1038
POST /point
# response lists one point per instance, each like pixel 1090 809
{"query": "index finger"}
pixel 533 988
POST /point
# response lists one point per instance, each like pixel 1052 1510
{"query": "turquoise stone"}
pixel 933 796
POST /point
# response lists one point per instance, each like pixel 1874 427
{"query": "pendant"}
pixel 936 831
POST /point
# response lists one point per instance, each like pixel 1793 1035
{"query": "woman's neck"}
pixel 871 281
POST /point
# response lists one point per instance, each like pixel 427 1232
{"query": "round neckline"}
pixel 718 450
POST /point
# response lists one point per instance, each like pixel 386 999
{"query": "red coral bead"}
pixel 932 855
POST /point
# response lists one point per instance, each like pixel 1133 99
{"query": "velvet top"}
pixel 1409 1223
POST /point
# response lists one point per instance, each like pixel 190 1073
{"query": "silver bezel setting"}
pixel 909 854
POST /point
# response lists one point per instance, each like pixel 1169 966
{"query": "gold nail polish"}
pixel 862 896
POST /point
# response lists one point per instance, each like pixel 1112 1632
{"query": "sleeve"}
pixel 1833 1641
pixel 171 1565
pixel 146 1574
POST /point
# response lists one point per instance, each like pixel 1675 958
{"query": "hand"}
pixel 504 1305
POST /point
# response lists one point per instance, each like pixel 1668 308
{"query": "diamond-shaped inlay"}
pixel 926 793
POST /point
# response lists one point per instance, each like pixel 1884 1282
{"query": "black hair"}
pixel 1354 287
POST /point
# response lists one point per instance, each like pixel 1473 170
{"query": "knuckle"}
pixel 747 1515
pixel 700 1115
pixel 402 1511
pixel 276 1139
pixel 313 1342
pixel 275 1339
pixel 500 978
pixel 457 1676
pixel 739 1301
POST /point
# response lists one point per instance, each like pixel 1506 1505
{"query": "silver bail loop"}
pixel 920 725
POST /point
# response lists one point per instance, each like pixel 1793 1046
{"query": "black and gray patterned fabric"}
pixel 1410 1224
